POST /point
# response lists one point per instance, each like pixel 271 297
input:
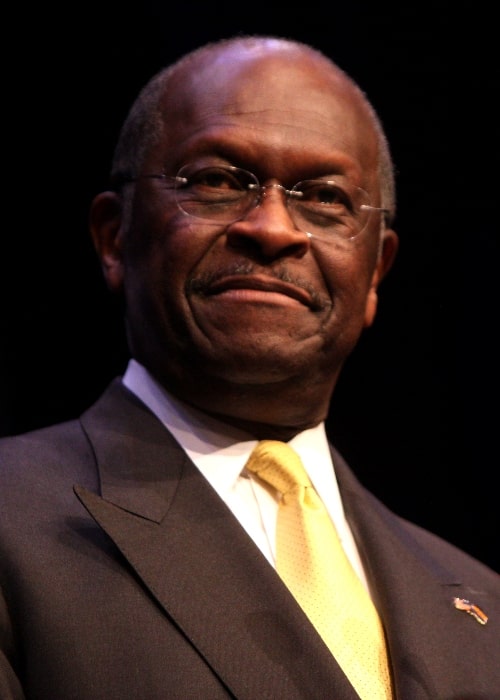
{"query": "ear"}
pixel 106 230
pixel 387 253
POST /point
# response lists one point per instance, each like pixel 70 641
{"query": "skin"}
pixel 253 321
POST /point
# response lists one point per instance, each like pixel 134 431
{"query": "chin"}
pixel 258 371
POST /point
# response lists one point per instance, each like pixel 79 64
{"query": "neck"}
pixel 261 430
pixel 274 412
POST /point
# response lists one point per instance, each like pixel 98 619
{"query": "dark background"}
pixel 415 412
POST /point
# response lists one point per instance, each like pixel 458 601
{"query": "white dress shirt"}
pixel 220 453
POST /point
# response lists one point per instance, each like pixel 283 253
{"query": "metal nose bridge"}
pixel 289 195
pixel 261 191
pixel 276 187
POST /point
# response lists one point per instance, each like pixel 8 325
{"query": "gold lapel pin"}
pixel 477 613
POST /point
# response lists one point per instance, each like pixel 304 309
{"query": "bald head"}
pixel 269 66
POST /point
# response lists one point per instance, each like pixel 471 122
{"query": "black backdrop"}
pixel 415 411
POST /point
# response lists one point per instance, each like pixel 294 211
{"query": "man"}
pixel 248 229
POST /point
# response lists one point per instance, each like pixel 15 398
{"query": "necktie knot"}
pixel 278 465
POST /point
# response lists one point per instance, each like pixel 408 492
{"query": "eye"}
pixel 215 180
pixel 324 193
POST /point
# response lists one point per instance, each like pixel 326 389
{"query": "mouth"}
pixel 243 281
pixel 260 288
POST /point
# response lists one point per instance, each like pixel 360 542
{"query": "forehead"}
pixel 286 103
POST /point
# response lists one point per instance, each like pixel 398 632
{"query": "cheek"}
pixel 348 273
pixel 164 240
pixel 164 249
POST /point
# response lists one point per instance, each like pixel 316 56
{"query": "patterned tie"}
pixel 313 564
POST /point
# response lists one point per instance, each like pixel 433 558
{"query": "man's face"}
pixel 257 301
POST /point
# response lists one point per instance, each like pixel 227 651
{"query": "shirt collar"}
pixel 221 451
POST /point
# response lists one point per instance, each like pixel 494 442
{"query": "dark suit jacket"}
pixel 125 577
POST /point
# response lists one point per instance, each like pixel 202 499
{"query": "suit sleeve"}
pixel 10 687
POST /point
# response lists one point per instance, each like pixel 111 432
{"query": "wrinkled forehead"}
pixel 281 97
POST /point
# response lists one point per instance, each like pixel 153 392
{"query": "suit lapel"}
pixel 197 561
pixel 414 589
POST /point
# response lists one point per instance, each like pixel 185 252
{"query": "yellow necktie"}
pixel 313 564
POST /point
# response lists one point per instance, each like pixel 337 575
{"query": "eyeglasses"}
pixel 225 194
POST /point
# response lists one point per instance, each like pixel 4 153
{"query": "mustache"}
pixel 202 284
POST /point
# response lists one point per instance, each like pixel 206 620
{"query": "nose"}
pixel 268 227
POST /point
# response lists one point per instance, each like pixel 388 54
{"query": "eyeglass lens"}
pixel 227 194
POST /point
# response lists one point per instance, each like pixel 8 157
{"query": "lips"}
pixel 261 283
